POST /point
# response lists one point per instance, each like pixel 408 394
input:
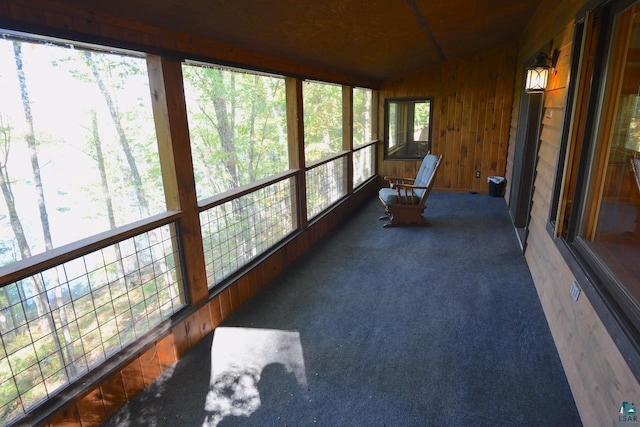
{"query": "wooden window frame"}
pixel 406 117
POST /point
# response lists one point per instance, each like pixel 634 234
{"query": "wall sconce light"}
pixel 538 73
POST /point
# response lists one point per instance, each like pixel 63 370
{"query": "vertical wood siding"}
pixel 471 117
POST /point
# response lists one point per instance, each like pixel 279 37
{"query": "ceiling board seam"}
pixel 425 27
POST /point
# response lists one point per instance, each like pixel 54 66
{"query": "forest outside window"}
pixel 238 130
pixel 78 150
pixel 323 136
pixel 362 116
pixel 237 125
pixel 78 158
pixel 407 127
pixel 600 205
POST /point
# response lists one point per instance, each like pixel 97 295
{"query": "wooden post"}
pixel 295 128
pixel 170 115
pixel 347 134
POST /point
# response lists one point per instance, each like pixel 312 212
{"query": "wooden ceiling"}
pixel 373 39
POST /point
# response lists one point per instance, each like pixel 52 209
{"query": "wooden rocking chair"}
pixel 405 200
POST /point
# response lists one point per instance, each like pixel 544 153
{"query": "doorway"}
pixel 525 162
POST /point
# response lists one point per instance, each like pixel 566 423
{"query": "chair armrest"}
pixel 394 180
pixel 401 186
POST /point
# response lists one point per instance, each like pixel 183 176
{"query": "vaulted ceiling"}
pixel 372 39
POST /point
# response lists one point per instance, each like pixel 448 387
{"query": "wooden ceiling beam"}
pixel 425 27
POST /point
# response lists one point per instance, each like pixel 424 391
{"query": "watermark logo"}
pixel 628 415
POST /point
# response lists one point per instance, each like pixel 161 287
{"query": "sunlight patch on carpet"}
pixel 238 359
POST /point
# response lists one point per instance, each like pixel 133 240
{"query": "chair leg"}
pixel 387 214
pixel 405 215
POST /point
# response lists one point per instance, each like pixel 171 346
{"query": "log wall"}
pixel 598 375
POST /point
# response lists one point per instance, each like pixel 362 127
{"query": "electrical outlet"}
pixel 575 291
pixel 477 174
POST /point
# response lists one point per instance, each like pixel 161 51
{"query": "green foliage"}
pixel 237 124
pixel 322 120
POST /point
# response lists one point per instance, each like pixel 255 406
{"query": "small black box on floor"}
pixel 496 186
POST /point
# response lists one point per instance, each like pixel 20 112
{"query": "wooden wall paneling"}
pixel 66 417
pixel 488 126
pixel 180 338
pixel 458 174
pixel 91 408
pixel 113 393
pixel 480 142
pixel 492 123
pixel 450 158
pixel 226 307
pixel 472 116
pixel 471 133
pixel 167 355
pixel 234 294
pixel 549 20
pixel 192 327
pixel 545 172
pixel 439 131
pixel 150 365
pixel 214 311
pixel 243 289
pixel 132 378
pixel 252 278
pixel 506 83
pixel 204 320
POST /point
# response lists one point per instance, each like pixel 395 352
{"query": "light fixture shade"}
pixel 537 77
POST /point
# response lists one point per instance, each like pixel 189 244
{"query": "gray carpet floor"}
pixel 416 326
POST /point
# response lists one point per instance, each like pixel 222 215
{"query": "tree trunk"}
pixel 31 143
pixel 106 193
pixel 124 142
pixel 44 219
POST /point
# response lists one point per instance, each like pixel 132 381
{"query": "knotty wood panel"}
pixel 113 394
pixel 91 408
pixel 471 117
pixel 597 373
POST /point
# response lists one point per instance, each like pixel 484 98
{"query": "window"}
pixel 407 127
pixel 238 130
pixel 599 208
pixel 78 157
pixel 237 125
pixel 78 151
pixel 362 116
pixel 322 103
